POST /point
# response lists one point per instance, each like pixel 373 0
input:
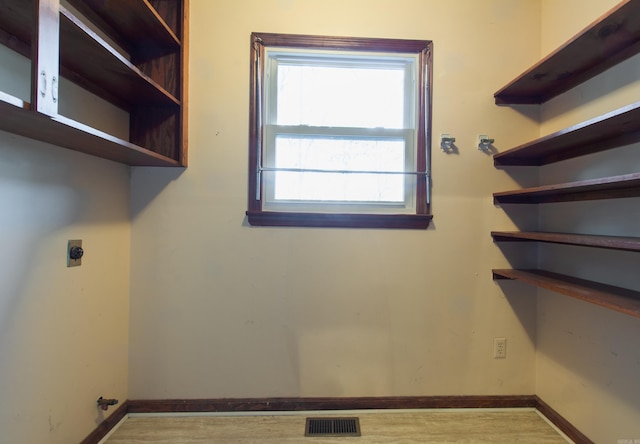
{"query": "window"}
pixel 339 132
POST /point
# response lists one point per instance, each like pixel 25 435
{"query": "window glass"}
pixel 319 155
pixel 340 96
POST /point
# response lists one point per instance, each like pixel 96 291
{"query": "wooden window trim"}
pixel 422 217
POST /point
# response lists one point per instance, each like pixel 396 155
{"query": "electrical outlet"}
pixel 499 348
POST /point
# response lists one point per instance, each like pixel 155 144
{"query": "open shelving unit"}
pixel 147 79
pixel 606 42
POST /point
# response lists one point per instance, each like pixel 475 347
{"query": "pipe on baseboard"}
pixel 105 403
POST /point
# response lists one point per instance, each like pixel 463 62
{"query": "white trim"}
pixel 265 186
pixel 554 427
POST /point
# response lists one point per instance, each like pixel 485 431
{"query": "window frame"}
pixel 259 217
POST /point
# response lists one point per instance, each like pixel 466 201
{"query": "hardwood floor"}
pixel 524 426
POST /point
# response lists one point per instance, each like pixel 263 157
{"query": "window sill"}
pixel 282 219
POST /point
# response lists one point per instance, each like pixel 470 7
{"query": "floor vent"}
pixel 332 427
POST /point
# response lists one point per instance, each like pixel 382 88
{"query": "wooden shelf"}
pixel 610 242
pixel 16 117
pixel 627 185
pixel 606 42
pixel 133 24
pixel 614 298
pixel 617 128
pixel 16 18
pixel 116 76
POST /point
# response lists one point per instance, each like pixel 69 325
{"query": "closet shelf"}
pixel 606 42
pixel 133 24
pixel 16 117
pixel 610 242
pixel 627 185
pixel 15 20
pixel 120 82
pixel 614 298
pixel 617 128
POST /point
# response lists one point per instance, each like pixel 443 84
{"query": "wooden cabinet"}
pixel 131 53
pixel 609 40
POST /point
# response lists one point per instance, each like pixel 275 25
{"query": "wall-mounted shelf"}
pixel 610 242
pixel 16 116
pixel 149 82
pixel 617 128
pixel 627 185
pixel 606 42
pixel 612 38
pixel 112 75
pixel 127 21
pixel 614 298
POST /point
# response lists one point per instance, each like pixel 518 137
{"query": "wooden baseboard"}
pixel 301 404
pixel 561 423
pixel 107 425
pixel 361 403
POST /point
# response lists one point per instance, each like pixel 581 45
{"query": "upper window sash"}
pixel 389 62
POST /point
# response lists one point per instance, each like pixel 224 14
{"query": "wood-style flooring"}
pixel 522 426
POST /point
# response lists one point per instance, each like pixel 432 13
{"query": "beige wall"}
pixel 63 331
pixel 222 309
pixel 588 358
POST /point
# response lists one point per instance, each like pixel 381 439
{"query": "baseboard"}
pixel 107 425
pixel 301 404
pixel 351 403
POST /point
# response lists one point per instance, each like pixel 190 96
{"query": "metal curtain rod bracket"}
pixel 446 142
pixel 484 142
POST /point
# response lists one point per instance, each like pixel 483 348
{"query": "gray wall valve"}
pixel 74 253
